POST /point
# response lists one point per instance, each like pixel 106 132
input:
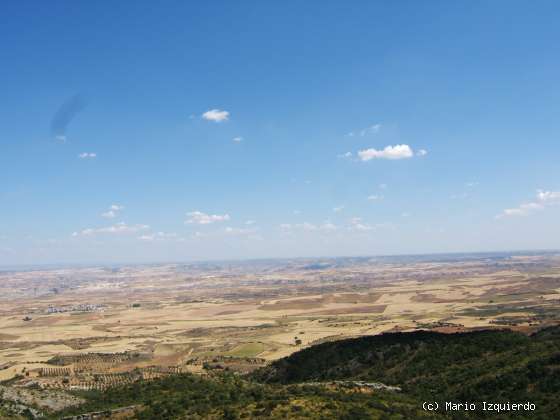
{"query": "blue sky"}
pixel 277 129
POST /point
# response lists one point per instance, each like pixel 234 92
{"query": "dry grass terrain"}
pixel 96 327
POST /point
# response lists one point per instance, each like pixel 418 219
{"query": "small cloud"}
pixel 383 186
pixel 250 222
pixel 471 184
pixel 522 210
pixel 87 155
pixel 113 211
pixel 216 115
pixel 422 152
pixel 109 214
pixel 239 231
pixel 372 129
pixel 237 139
pixel 357 224
pixel 158 236
pixel 543 199
pixel 338 209
pixel 200 218
pixel 548 196
pixel 399 151
pixel 346 155
pixel 309 227
pixel 114 229
pixel 375 197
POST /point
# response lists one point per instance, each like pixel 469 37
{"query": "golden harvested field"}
pixel 109 321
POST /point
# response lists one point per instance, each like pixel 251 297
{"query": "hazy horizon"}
pixel 435 255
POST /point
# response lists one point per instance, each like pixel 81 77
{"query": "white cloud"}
pixel 422 152
pixel 216 115
pixel 375 197
pixel 117 228
pixel 250 222
pixel 113 211
pixel 548 196
pixel 158 236
pixel 87 155
pixel 357 224
pixel 338 209
pixel 237 139
pixel 239 231
pixel 309 227
pixel 399 151
pixel 543 199
pixel 346 155
pixel 523 209
pixel 200 218
pixel 362 227
pixel 372 129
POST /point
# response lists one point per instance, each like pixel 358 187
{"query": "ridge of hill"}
pixel 490 365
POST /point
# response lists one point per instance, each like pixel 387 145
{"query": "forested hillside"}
pixel 228 397
pixel 492 366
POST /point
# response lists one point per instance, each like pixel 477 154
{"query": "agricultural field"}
pixel 96 328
